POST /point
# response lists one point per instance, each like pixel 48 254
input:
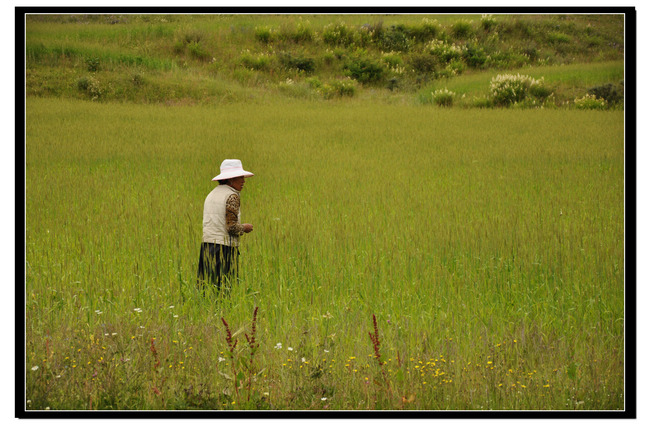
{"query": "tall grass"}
pixel 488 244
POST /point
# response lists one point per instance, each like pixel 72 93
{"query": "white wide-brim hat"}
pixel 232 168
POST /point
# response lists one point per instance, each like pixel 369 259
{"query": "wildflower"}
pixel 138 310
pixel 290 349
pixel 221 359
pixel 171 306
pixel 323 399
pixel 303 359
pixel 278 346
pixel 35 367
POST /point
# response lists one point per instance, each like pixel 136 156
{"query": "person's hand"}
pixel 247 227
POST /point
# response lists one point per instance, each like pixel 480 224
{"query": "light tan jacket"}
pixel 214 217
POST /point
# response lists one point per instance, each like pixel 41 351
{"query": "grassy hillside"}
pixel 213 59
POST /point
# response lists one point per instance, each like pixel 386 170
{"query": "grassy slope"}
pixel 208 59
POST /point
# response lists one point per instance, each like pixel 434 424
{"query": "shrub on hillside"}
pixel 443 97
pixel 395 39
pixel 338 88
pixel 338 35
pixel 509 89
pixel 90 86
pixel 392 60
pixel 92 63
pixel 255 62
pixel 610 93
pixel 303 33
pixel 488 22
pixel 590 101
pixel 474 56
pixel 443 51
pixel 556 38
pixel 297 61
pixel 507 60
pixel 462 29
pixel 422 63
pixel 264 34
pixel 364 70
pixel 425 31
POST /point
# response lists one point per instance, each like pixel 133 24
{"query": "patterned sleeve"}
pixel 233 226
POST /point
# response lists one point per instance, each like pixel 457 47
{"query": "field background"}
pixel 487 243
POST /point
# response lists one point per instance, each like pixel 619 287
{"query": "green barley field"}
pixel 404 257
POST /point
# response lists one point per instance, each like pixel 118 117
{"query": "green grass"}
pixel 215 52
pixel 488 244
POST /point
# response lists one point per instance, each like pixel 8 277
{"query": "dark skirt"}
pixel 218 266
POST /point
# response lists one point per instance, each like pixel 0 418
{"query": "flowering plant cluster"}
pixel 444 51
pixel 255 61
pixel 509 89
pixel 590 101
pixel 338 88
pixel 443 97
pixel 338 34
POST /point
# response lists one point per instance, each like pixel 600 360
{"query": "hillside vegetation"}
pixel 463 60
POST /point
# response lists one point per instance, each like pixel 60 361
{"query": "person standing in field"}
pixel 222 227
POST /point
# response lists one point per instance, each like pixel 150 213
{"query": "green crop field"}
pixel 406 254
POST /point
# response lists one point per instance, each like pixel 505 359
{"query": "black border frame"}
pixel 630 366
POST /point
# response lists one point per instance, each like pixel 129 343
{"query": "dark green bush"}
pixel 90 86
pixel 395 39
pixel 338 35
pixel 488 22
pixel 474 56
pixel 92 64
pixel 364 70
pixel 263 34
pixel 422 63
pixel 297 61
pixel 540 91
pixel 462 29
pixel 392 60
pixel 609 92
pixel 303 34
pixel 531 52
pixel 425 31
pixel 255 62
